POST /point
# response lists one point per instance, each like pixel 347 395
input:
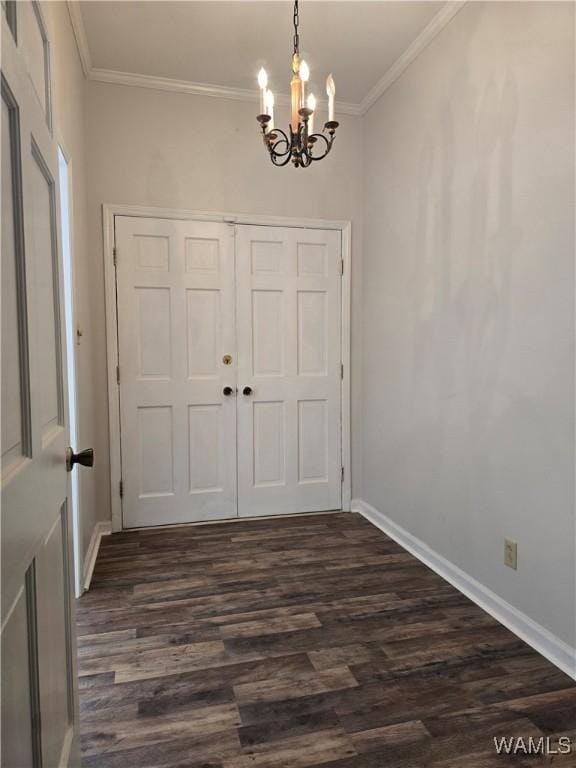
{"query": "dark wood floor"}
pixel 299 642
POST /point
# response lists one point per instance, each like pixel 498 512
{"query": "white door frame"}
pixel 72 321
pixel 109 211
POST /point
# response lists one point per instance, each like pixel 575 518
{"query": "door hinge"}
pixel 342 473
pixel 121 489
pixel 342 265
pixel 341 370
pixel 115 255
pixel 118 374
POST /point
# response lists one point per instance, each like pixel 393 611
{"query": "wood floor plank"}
pixel 271 626
pixel 205 751
pixel 282 688
pixel 401 733
pixel 356 653
pixel 139 732
pixel 298 642
pixel 297 751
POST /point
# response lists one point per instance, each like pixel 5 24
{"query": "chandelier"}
pixel 301 145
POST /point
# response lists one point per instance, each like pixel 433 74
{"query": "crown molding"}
pixel 80 35
pixel 440 20
pixel 199 89
pixel 97 74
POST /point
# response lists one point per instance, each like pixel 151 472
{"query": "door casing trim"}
pixel 109 212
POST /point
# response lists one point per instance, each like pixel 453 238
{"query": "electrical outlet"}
pixel 511 553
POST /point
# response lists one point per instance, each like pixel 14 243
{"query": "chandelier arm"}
pixel 327 142
pixel 273 145
pixel 277 156
pixel 280 160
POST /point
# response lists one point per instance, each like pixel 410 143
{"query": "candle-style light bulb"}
pixel 270 109
pixel 263 84
pixel 304 76
pixel 295 92
pixel 311 104
pixel 330 92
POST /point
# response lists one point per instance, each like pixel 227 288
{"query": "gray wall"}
pixel 468 274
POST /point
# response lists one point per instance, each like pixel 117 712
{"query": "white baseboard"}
pixel 538 637
pixel 100 529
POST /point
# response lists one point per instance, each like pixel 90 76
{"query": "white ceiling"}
pixel 224 43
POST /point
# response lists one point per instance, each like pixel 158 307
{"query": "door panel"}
pixel 153 332
pixel 42 214
pixel 269 438
pixel 51 580
pixel 17 731
pixel 34 47
pixel 268 311
pixel 155 439
pixel 312 333
pixel 203 332
pixel 288 284
pixel 205 438
pixel 15 392
pixel 313 449
pixel 39 696
pixel 175 283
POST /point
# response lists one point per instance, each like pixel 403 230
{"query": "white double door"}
pixel 229 342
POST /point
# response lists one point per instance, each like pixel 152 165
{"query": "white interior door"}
pixel 175 283
pixel 39 702
pixel 288 287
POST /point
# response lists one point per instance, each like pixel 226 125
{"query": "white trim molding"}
pixel 138 80
pixel 80 34
pixel 100 529
pixel 109 212
pixel 442 18
pixel 200 89
pixel 538 637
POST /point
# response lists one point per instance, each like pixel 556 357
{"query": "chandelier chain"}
pixel 296 19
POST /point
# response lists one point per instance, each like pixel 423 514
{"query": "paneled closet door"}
pixel 177 356
pixel 39 688
pixel 288 318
